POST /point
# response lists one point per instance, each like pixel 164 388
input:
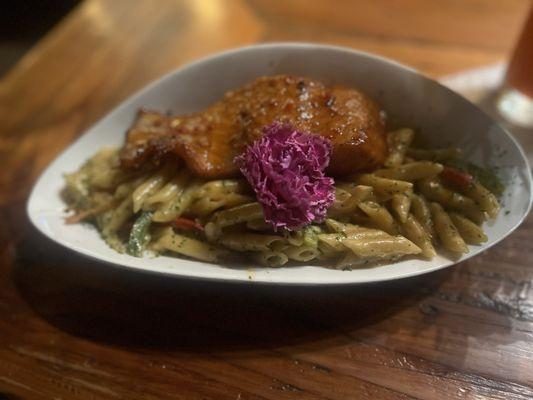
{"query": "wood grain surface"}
pixel 72 328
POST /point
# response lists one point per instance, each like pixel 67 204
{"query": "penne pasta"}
pixel 381 247
pixel 413 230
pixel 358 217
pixel 169 192
pixel 470 232
pixel 412 171
pixel 236 215
pixel 446 230
pixel 383 186
pixel 258 225
pixel 203 206
pixel 170 241
pixel 326 252
pixel 421 212
pixel 145 190
pixel 350 229
pixel 301 253
pixel 249 241
pixel 272 259
pixel 435 191
pixel 333 241
pixel 398 142
pixel 212 232
pixel 484 198
pixel 400 205
pixel 379 216
pixel 118 217
pixel 177 205
pixel 223 186
pixel 347 200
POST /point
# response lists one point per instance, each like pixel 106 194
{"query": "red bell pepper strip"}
pixel 457 179
pixel 187 224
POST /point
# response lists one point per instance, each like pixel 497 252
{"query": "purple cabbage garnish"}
pixel 286 170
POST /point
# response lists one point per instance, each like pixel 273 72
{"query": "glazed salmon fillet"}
pixel 209 140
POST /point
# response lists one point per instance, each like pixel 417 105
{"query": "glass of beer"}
pixel 515 102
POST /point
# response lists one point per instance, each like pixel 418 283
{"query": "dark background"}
pixel 23 23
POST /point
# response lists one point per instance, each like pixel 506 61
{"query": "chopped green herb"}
pixel 486 176
pixel 139 234
pixel 310 233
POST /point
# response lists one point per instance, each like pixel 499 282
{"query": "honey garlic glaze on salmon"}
pixel 209 140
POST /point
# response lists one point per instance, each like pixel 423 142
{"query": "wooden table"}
pixel 71 328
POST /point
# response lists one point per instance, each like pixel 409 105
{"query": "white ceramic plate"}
pixel 440 115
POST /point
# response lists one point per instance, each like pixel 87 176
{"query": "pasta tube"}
pixel 446 230
pixel 420 210
pixel 379 216
pixel 412 171
pixel 236 215
pixel 413 230
pixel 435 191
pixel 401 204
pixel 398 142
pixel 383 186
pixel 470 232
pixel 273 259
pixel 190 247
pixel 249 241
pixel 381 247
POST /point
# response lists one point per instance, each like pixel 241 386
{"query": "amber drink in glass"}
pixel 515 103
